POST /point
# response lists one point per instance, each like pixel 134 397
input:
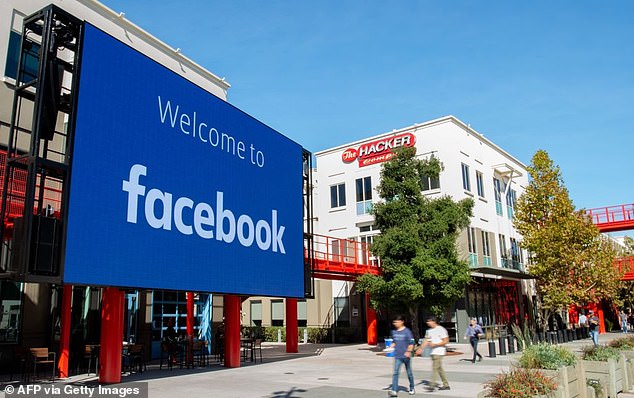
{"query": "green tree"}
pixel 626 293
pixel 629 245
pixel 417 245
pixel 568 258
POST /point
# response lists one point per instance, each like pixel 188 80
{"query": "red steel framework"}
pixel 626 265
pixel 613 218
pixel 342 259
pixel 16 196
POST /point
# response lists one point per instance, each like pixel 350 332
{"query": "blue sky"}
pixel 557 76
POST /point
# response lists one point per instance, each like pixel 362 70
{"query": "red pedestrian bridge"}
pixel 342 259
pixel 613 219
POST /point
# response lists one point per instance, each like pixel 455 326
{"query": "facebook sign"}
pixel 173 188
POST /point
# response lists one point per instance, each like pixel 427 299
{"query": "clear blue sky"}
pixel 532 75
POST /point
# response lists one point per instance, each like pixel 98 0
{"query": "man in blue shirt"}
pixel 593 322
pixel 473 334
pixel 403 344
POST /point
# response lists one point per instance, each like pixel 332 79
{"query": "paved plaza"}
pixel 320 371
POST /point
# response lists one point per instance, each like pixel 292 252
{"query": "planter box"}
pixel 571 381
pixel 610 373
pixel 591 393
pixel 482 394
pixel 629 368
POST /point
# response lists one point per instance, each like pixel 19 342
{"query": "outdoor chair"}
pixel 199 353
pixel 41 356
pixel 91 353
pixel 173 352
pixel 257 348
pixel 136 357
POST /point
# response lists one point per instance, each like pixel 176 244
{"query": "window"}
pixel 503 253
pixel 335 250
pixel 466 183
pixel 510 203
pixel 277 313
pixel 486 248
pixel 337 195
pixel 430 183
pixel 170 306
pixel 342 312
pixel 366 254
pixel 497 190
pixel 11 307
pixel 516 254
pixel 480 184
pixel 302 318
pixel 364 195
pixel 31 58
pixel 473 250
pixel 256 313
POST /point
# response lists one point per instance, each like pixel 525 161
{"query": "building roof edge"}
pixel 127 24
pixel 443 119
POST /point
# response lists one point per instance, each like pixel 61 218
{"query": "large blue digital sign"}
pixel 173 188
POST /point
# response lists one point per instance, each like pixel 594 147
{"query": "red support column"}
pixel 64 338
pixel 112 310
pixel 601 320
pixel 190 325
pixel 232 331
pixel 370 316
pixel 292 333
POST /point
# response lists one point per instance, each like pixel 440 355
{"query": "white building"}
pixel 345 184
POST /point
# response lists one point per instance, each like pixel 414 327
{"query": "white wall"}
pixel 453 143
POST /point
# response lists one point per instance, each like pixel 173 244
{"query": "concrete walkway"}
pixel 350 371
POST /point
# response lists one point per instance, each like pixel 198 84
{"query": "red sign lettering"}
pixel 349 155
pixel 378 151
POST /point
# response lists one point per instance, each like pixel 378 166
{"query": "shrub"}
pixel 520 382
pixel 317 335
pixel 256 332
pixel 600 353
pixel 546 356
pixel 625 343
pixel 524 338
pixel 270 333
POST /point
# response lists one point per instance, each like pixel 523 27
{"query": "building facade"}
pixel 345 184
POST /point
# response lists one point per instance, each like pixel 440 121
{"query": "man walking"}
pixel 403 344
pixel 623 318
pixel 473 334
pixel 436 338
pixel 593 324
pixel 583 324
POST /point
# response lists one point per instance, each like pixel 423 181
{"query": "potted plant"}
pixel 605 364
pixel 519 382
pixel 558 363
pixel 626 346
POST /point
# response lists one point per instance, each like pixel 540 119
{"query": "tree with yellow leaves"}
pixel 571 262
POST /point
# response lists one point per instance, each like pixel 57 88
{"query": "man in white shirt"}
pixel 436 338
pixel 583 323
pixel 583 320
